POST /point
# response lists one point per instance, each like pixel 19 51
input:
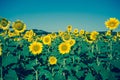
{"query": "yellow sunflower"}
pixel 69 28
pixel 53 35
pixel 108 33
pixel 71 42
pixel 52 60
pixel 112 23
pixel 36 48
pixel 66 37
pixel 93 35
pixel 82 32
pixel 75 31
pixel 19 26
pixel 64 48
pixel 4 24
pixel 60 33
pixel 47 40
pixel 29 34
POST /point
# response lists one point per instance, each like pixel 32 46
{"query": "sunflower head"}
pixel 69 28
pixel 53 35
pixel 108 33
pixel 66 37
pixel 36 48
pixel 93 35
pixel 75 31
pixel 64 48
pixel 112 23
pixel 4 24
pixel 47 40
pixel 19 26
pixel 82 32
pixel 71 42
pixel 52 60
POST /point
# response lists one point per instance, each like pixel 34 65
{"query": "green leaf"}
pixel 31 64
pixel 105 74
pixel 72 78
pixel 89 77
pixel 79 74
pixel 6 60
pixel 29 77
pixel 25 51
pixel 116 63
pixel 11 75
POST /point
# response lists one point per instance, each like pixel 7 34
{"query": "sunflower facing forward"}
pixel 112 23
pixel 47 40
pixel 19 26
pixel 36 48
pixel 64 48
pixel 52 60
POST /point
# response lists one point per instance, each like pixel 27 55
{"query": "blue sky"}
pixel 55 15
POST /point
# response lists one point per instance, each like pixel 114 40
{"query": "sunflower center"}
pixel 36 48
pixel 112 24
pixel 47 40
pixel 64 47
pixel 19 26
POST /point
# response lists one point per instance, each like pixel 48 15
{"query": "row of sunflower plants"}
pixel 68 55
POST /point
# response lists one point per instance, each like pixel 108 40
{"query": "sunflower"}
pixel 4 24
pixel 36 48
pixel 93 35
pixel 71 42
pixel 29 34
pixel 66 37
pixel 19 26
pixel 82 32
pixel 69 28
pixel 52 60
pixel 53 35
pixel 64 48
pixel 112 23
pixel 75 31
pixel 47 40
pixel 108 33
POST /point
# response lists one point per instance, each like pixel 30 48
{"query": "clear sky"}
pixel 55 15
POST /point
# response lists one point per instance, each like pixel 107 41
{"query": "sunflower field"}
pixel 65 55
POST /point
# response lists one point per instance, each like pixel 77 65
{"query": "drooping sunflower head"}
pixel 71 42
pixel 52 60
pixel 66 37
pixel 4 24
pixel 69 28
pixel 19 26
pixel 36 48
pixel 93 35
pixel 47 40
pixel 64 48
pixel 112 23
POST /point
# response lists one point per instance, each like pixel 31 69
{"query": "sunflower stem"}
pixel 36 72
